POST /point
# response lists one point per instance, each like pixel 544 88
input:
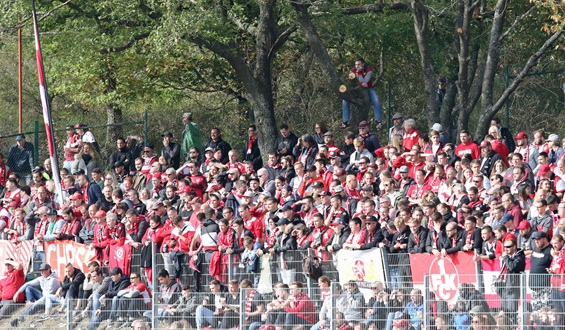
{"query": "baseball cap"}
pixel 401 323
pixel 282 222
pixel 11 261
pixel 338 222
pixel 13 204
pixel 318 184
pixel 287 187
pixel 310 168
pixel 329 133
pixel 185 189
pixel 209 149
pixel 167 134
pixel 44 266
pixel 338 189
pixel 524 224
pixel 51 211
pixel 286 208
pixel 157 205
pixel 553 138
pixel 506 217
pixel 194 200
pixel 116 271
pixel 363 123
pixel 543 170
pixel 404 169
pixel 437 127
pixel 118 164
pixel 249 194
pixel 100 214
pixel 397 115
pixel 340 171
pixel 76 196
pixel 20 137
pixel 539 234
pixel 521 135
pixel 333 154
pixel 371 218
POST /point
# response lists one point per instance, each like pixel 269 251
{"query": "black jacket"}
pixel 220 144
pixel 420 246
pixel 73 286
pixel 488 164
pixel 116 287
pixel 285 142
pixel 373 239
pixel 172 154
pixel 253 155
pixel 121 155
pixel 446 243
pixel 516 264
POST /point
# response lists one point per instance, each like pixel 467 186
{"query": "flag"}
pixel 120 256
pixel 46 110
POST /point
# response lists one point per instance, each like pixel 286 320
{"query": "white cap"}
pixel 437 127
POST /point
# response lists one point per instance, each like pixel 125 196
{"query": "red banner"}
pixel 446 274
pixel 20 252
pixel 59 253
pixel 120 256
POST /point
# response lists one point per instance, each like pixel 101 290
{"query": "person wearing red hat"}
pixel 524 238
pixel 401 324
pixel 528 151
pixel 99 238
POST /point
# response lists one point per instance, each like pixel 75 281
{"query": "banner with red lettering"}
pixel 446 274
pixel 120 256
pixel 19 251
pixel 59 253
pixel 361 265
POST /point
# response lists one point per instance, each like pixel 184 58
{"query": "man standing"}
pixel 285 142
pixel 20 158
pixel 364 75
pixel 171 150
pixel 467 146
pixel 488 158
pixel 513 262
pixel 251 150
pixel 540 261
pixel 528 151
pixel 504 133
pixel 397 128
pixel 216 143
pixel 10 283
pixel 190 135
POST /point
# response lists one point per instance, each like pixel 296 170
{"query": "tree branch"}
pixel 376 7
pixel 281 39
pixel 532 61
pixel 125 46
pixel 516 21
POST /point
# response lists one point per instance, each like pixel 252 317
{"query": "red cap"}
pixel 521 135
pixel 485 144
pixel 76 196
pixel 543 170
pixel 363 123
pixel 13 204
pixel 185 189
pixel 339 171
pixel 100 214
pixel 524 224
pixel 401 322
pixel 194 200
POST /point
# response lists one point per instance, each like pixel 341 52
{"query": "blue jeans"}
pixel 114 308
pixel 32 294
pixel 203 313
pixel 45 300
pixel 161 314
pixel 394 278
pixel 376 106
pixel 50 300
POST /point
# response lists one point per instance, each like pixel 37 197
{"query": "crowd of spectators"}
pixel 202 202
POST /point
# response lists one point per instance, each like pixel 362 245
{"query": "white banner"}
pixel 360 265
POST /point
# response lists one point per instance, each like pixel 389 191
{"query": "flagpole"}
pixel 46 110
pixel 20 79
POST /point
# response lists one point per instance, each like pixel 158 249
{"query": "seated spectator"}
pixel 97 284
pixel 168 294
pixel 415 308
pixel 125 303
pixel 210 305
pixel 355 303
pixel 71 288
pixel 185 306
pixel 49 285
pixel 299 308
pixel 254 305
pixel 119 282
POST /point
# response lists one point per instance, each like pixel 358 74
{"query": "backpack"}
pixel 312 267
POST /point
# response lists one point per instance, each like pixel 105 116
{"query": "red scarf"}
pixel 251 140
pixel 248 303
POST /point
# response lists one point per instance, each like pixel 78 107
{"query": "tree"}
pixel 476 63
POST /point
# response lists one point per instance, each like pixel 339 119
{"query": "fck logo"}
pixel 444 278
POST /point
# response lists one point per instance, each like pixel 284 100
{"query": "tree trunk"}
pixel 113 111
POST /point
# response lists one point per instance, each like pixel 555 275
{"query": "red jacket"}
pixel 303 308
